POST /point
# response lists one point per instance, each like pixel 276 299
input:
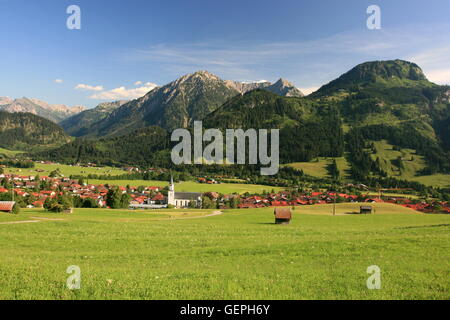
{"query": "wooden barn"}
pixel 282 215
pixel 7 206
pixel 365 209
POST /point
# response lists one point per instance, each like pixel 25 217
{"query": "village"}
pixel 34 191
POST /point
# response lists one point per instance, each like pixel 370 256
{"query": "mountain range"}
pixel 79 124
pixel 78 120
pixel 282 87
pixel 53 112
pixel 175 105
pixel 390 101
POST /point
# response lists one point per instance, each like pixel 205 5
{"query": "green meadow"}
pixel 43 169
pixel 9 153
pixel 412 164
pixel 191 186
pixel 319 167
pixel 239 254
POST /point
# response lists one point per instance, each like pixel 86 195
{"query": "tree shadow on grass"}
pixel 356 212
pixel 425 226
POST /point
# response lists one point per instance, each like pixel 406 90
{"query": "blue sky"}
pixel 124 47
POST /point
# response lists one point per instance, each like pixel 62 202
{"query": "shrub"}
pixel 16 209
pixel 56 207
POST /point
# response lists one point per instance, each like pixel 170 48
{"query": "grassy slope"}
pixel 386 153
pixel 237 255
pixel 313 168
pixel 9 153
pixel 438 180
pixel 411 167
pixel 319 168
pixel 65 169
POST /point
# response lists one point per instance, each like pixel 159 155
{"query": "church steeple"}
pixel 171 186
pixel 171 193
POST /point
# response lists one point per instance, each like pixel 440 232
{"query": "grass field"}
pixel 391 194
pixel 9 153
pixel 412 164
pixel 240 254
pixel 191 186
pixel 437 180
pixel 318 168
pixel 45 169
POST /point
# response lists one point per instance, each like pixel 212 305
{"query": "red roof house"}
pixel 7 206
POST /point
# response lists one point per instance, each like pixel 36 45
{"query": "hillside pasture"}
pixel 43 169
pixel 412 164
pixel 319 167
pixel 9 153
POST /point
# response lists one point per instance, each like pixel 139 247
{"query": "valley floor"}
pixel 239 254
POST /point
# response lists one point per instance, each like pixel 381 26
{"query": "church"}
pixel 182 199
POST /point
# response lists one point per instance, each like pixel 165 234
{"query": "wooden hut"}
pixel 7 206
pixel 365 209
pixel 282 215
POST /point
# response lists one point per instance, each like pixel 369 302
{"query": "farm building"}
pixel 282 215
pixel 7 206
pixel 365 209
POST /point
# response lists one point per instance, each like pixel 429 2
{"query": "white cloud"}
pixel 441 76
pixel 124 93
pixel 59 81
pixel 138 83
pixel 87 87
pixel 307 63
pixel 255 81
pixel 435 63
pixel 308 90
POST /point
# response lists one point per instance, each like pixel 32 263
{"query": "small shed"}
pixel 7 206
pixel 365 209
pixel 282 215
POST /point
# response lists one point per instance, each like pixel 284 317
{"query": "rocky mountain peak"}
pixel 202 75
pixel 5 100
pixel 284 82
pixel 205 73
pixel 284 87
pixel 53 112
